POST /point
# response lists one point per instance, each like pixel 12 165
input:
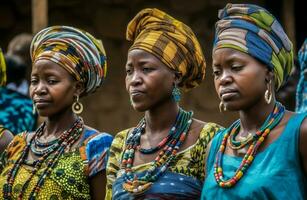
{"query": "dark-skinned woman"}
pixel 262 155
pixel 163 157
pixel 5 135
pixel 63 158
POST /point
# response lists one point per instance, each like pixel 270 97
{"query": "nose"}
pixel 40 88
pixel 226 77
pixel 136 78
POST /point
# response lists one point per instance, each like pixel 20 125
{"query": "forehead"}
pixel 47 67
pixel 228 55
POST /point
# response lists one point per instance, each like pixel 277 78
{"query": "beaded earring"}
pixel 176 94
pixel 268 93
pixel 77 106
pixel 33 109
pixel 222 107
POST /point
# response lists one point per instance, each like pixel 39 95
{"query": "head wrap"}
pixel 2 69
pixel 301 92
pixel 171 41
pixel 75 50
pixel 253 30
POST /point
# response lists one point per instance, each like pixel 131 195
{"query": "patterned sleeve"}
pixel 113 166
pixel 97 152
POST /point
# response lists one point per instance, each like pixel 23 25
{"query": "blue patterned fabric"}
pixel 276 172
pixel 97 150
pixel 169 186
pixel 301 91
pixel 16 111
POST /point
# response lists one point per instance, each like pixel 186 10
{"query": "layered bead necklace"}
pixel 168 148
pixel 50 151
pixel 255 140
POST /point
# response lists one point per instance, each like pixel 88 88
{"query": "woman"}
pixel 5 135
pixel 64 158
pixel 263 155
pixel 301 91
pixel 163 156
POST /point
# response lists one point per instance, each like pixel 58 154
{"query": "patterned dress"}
pixel 16 111
pixel 70 178
pixel 183 179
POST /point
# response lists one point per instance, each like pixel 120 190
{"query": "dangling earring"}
pixel 33 109
pixel 222 107
pixel 268 93
pixel 176 94
pixel 77 106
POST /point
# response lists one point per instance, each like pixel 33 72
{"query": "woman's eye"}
pixel 147 69
pixel 236 67
pixel 52 81
pixel 216 73
pixel 128 71
pixel 33 81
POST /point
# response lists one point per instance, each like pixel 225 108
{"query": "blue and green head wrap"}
pixel 301 91
pixel 253 30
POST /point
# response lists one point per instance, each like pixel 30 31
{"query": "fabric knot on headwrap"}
pixel 301 91
pixel 82 55
pixel 253 30
pixel 171 41
pixel 2 69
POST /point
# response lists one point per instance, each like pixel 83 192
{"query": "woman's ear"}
pixel 79 88
pixel 269 76
pixel 178 77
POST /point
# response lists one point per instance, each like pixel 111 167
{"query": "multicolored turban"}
pixel 2 69
pixel 77 51
pixel 253 30
pixel 171 41
pixel 301 91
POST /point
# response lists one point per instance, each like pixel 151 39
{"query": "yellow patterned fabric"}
pixel 170 40
pixel 77 51
pixel 2 69
pixel 190 162
pixel 70 177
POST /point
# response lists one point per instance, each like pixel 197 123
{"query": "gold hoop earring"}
pixel 268 93
pixel 222 107
pixel 77 106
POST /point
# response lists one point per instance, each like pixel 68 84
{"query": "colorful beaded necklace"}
pixel 66 140
pixel 272 120
pixel 168 147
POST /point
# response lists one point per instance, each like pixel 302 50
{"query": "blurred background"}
pixel 109 108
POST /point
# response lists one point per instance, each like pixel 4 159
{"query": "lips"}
pixel 136 93
pixel 40 103
pixel 228 93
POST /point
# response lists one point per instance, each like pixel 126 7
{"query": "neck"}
pixel 161 118
pixel 56 125
pixel 253 117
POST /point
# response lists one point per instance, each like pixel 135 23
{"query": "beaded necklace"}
pixel 66 140
pixel 168 147
pixel 272 120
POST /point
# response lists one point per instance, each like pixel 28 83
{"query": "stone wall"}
pixel 109 108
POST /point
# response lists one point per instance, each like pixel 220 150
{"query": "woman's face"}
pixel 148 81
pixel 52 88
pixel 240 80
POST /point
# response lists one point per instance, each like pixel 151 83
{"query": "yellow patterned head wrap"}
pixel 170 40
pixel 2 69
pixel 77 51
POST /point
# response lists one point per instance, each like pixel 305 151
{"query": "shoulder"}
pixel 303 129
pixel 5 138
pixel 93 139
pixel 210 129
